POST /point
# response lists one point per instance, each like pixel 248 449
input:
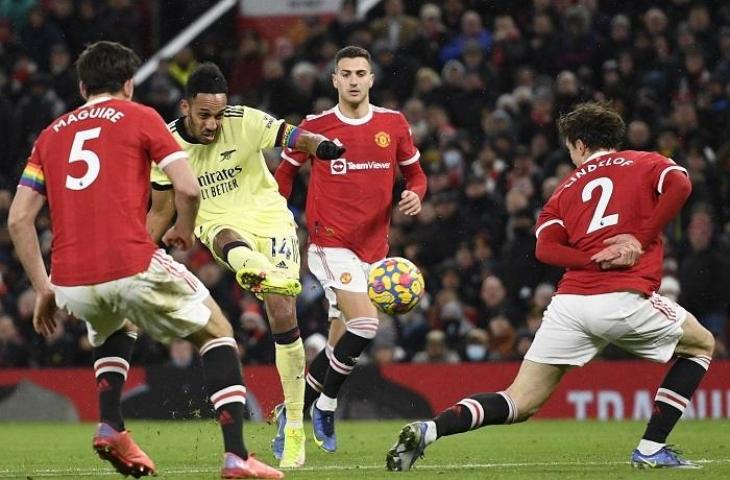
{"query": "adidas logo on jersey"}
pixel 282 264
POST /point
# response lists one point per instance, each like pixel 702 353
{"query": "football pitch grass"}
pixel 535 450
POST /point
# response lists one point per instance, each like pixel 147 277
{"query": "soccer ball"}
pixel 395 285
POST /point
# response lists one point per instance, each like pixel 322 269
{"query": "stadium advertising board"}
pixel 619 390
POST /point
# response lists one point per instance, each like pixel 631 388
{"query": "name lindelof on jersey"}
pixel 592 167
pixel 226 155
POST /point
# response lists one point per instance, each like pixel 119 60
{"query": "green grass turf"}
pixel 536 450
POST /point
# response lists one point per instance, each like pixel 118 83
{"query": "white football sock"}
pixel 647 447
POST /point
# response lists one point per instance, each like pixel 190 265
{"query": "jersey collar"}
pixel 180 128
pixel 96 100
pixel 597 154
pixel 354 121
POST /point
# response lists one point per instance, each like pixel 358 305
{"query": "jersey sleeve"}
pixel 32 176
pixel 294 157
pixel 161 146
pixel 261 127
pixel 661 166
pixel 407 152
pixel 550 217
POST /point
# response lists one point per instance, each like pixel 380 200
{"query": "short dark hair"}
pixel 105 66
pixel 352 51
pixel 206 78
pixel 596 124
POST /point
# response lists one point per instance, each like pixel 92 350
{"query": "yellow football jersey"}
pixel 237 188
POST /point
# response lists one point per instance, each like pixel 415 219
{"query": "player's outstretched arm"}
pixel 305 141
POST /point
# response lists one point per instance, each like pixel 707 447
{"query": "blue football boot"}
pixel 278 415
pixel 323 424
pixel 666 457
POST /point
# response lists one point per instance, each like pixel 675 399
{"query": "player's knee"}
pixel 218 326
pixel 365 327
pixel 707 343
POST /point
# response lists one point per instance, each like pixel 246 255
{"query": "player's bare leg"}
pixel 112 441
pixel 224 381
pixel 361 325
pixel 694 352
pixel 291 363
pixel 253 269
pixel 531 388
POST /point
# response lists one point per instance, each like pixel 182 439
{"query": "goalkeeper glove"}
pixel 328 150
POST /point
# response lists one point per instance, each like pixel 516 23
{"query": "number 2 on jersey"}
pixel 599 221
pixel 79 154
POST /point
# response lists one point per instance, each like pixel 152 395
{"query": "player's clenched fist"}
pixel 328 150
pixel 175 238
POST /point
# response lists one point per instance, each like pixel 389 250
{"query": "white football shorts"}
pixel 337 268
pixel 166 301
pixel 576 327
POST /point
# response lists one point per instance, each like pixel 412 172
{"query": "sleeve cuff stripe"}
pixel 547 224
pixel 660 186
pixel 171 158
pixel 411 160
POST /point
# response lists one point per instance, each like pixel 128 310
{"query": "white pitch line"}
pixel 87 472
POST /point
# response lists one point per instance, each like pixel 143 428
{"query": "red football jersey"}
pixel 611 193
pixel 349 199
pixel 93 165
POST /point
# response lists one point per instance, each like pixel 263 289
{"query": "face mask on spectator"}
pixel 475 351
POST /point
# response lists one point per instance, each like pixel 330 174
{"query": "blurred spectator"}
pixel 395 28
pixel 430 36
pixel 37 37
pixel 17 11
pixel 436 350
pixel 705 277
pixel 182 354
pixel 472 28
pixel 670 288
pixel 182 65
pixel 13 349
pixel 476 347
pixel 314 344
pixel 502 337
pixel 481 87
pixel 161 92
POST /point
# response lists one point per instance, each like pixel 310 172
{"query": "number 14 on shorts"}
pixel 287 247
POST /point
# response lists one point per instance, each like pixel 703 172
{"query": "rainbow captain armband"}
pixel 33 177
pixel 288 136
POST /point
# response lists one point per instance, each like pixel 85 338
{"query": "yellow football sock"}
pixel 240 257
pixel 290 363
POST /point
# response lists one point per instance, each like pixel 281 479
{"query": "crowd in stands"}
pixel 481 84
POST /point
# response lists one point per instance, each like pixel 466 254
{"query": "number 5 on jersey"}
pixel 79 154
pixel 598 221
